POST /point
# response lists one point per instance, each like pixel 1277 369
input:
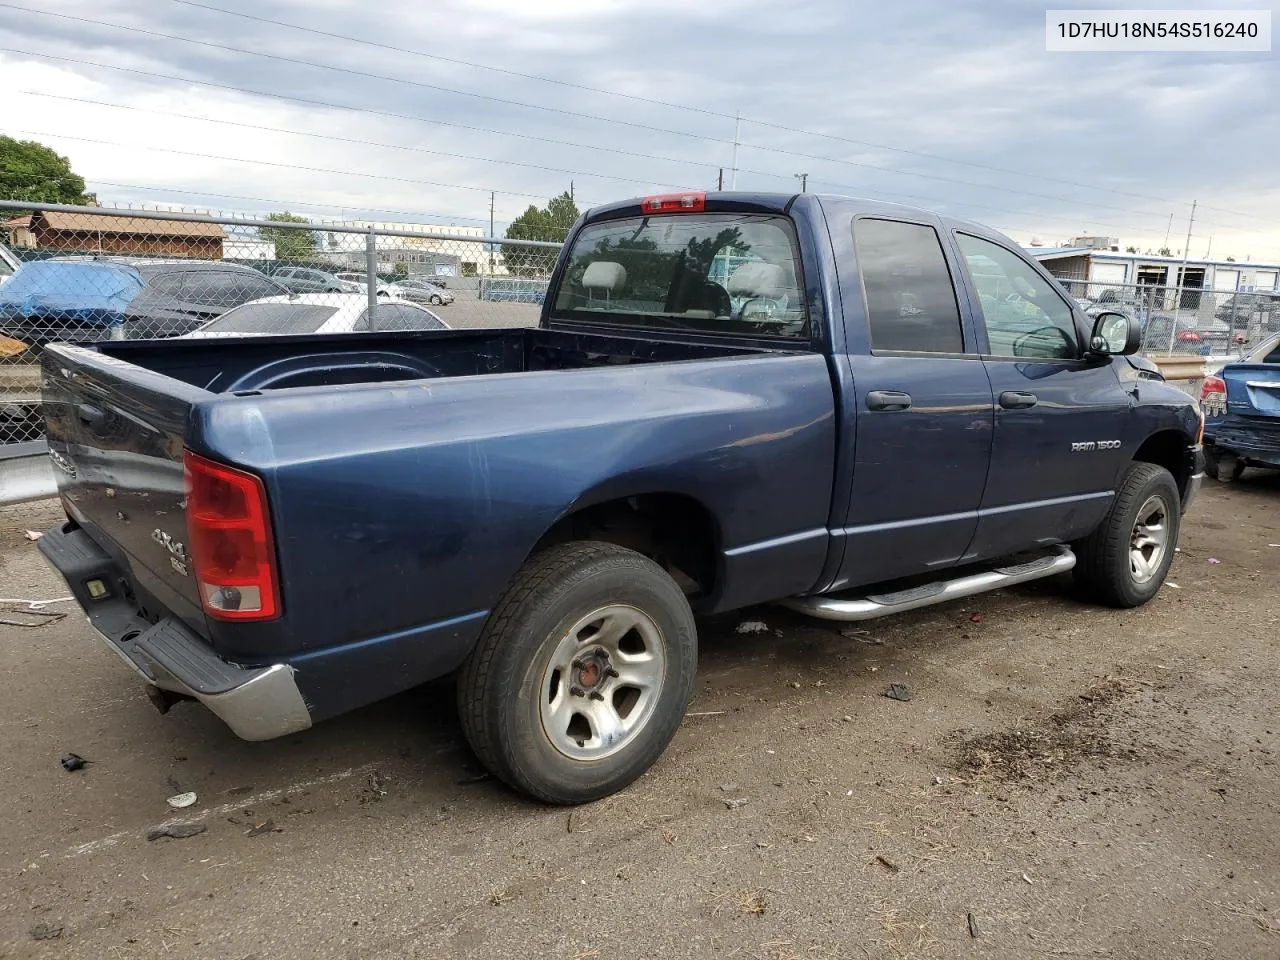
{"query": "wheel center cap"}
pixel 589 673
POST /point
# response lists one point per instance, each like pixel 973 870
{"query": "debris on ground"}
pixel 1170 583
pixel 753 626
pixel 373 790
pixel 898 691
pixel 887 863
pixel 182 800
pixel 977 617
pixel 729 787
pixel 46 931
pixel 1213 560
pixel 973 926
pixel 72 762
pixel 176 831
pixel 794 684
pixel 847 719
pixel 257 830
pixel 735 803
pixel 32 535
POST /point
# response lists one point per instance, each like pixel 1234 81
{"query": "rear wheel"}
pixel 436 299
pixel 582 674
pixel 1123 563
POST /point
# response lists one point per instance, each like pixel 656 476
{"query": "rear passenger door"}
pixel 1060 415
pixel 922 407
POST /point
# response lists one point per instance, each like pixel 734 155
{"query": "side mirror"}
pixel 1114 334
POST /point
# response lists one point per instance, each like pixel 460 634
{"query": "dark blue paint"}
pixel 410 475
pixel 1250 428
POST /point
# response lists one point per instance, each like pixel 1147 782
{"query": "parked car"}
pixel 286 534
pixel 9 264
pixel 383 288
pixel 309 280
pixel 1240 309
pixel 1187 334
pixel 318 313
pixel 424 291
pixel 1241 406
pixel 92 298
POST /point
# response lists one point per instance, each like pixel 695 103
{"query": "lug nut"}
pixel 596 695
pixel 610 672
pixel 577 691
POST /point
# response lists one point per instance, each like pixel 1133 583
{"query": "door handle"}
pixel 1015 400
pixel 888 400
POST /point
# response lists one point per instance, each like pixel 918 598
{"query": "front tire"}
pixel 582 674
pixel 1124 562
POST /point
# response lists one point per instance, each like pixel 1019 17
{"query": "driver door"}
pixel 1060 417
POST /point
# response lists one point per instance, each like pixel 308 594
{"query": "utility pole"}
pixel 491 228
pixel 1209 247
pixel 571 191
pixel 1166 232
pixel 1181 279
pixel 804 181
pixel 720 180
pixel 737 137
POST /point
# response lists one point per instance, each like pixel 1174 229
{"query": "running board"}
pixel 833 606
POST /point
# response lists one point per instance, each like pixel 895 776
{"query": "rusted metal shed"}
pixel 137 236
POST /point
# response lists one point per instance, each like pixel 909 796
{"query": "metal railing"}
pixel 94 273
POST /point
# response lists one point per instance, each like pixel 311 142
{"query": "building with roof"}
pixel 1095 268
pixel 103 234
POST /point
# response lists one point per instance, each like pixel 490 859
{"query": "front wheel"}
pixel 582 673
pixel 436 300
pixel 1124 562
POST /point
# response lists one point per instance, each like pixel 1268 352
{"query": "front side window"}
pixel 911 302
pixel 709 273
pixel 1023 314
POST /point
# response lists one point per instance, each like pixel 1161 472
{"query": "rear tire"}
pixel 582 674
pixel 1124 562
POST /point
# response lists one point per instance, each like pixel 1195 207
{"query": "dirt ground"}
pixel 1065 781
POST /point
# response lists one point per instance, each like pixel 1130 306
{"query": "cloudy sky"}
pixel 423 109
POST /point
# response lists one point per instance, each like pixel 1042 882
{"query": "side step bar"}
pixel 834 606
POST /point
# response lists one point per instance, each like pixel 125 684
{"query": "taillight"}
pixel 675 203
pixel 1213 397
pixel 230 539
pixel 1189 336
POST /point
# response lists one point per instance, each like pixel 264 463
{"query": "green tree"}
pixel 552 222
pixel 1165 252
pixel 290 244
pixel 1130 249
pixel 30 171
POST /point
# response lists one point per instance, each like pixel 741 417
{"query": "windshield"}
pixel 715 273
pixel 1266 352
pixel 58 279
pixel 273 318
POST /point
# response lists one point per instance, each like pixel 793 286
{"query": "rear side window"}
pixel 911 301
pixel 226 288
pixel 279 318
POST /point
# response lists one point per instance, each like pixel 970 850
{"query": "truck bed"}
pixel 272 363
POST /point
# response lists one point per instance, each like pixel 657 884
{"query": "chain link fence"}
pixel 1186 321
pixel 80 274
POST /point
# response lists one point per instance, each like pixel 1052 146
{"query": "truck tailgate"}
pixel 115 434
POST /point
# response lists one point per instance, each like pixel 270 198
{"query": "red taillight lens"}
pixel 1213 397
pixel 675 203
pixel 231 547
pixel 1189 336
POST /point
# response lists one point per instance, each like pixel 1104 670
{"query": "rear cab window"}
pixel 731 273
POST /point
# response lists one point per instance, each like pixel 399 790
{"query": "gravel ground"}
pixel 1065 781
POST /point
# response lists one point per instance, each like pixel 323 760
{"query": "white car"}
pixel 383 289
pixel 319 313
pixel 9 264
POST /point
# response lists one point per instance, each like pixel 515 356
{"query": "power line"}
pixel 271 163
pixel 665 103
pixel 338 139
pixel 285 204
pixel 556 110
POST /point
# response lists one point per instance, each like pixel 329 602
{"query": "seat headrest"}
pixel 758 279
pixel 604 275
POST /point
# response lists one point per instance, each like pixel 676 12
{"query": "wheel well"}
pixel 1168 449
pixel 675 531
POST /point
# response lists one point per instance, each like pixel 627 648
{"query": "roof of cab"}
pixel 741 201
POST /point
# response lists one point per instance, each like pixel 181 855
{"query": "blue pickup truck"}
pixel 854 408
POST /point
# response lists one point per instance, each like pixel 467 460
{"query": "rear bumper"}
pixel 256 702
pixel 1256 443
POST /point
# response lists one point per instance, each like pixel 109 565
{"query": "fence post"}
pixel 371 275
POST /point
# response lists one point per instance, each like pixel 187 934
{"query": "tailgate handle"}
pixel 91 415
